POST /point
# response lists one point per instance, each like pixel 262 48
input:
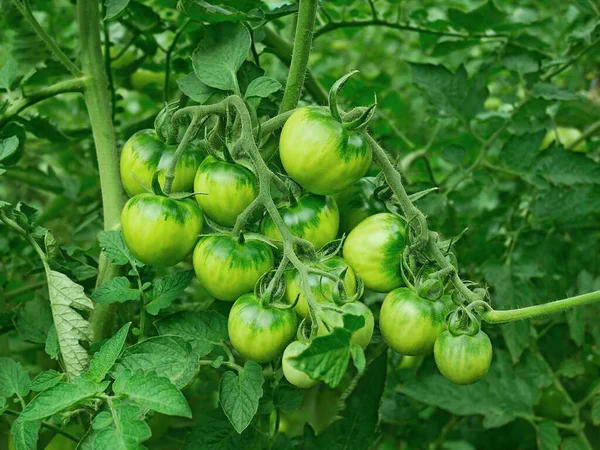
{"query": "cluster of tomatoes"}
pixel 329 161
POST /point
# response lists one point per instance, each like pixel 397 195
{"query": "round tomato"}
pixel 294 376
pixel 260 333
pixel 145 153
pixel 463 359
pixel 566 137
pixel 411 324
pixel 374 250
pixel 160 231
pixel 315 218
pixel 363 335
pixel 319 153
pixel 228 267
pixel 228 187
pixel 324 290
pixel 357 203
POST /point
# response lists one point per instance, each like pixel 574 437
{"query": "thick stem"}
pixel 96 97
pixel 72 85
pixel 529 312
pixel 307 12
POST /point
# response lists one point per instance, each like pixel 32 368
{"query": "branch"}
pixel 331 26
pixel 25 9
pixel 571 61
pixel 307 12
pixel 71 85
pixel 49 426
pixel 593 129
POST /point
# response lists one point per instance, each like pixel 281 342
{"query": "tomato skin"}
pixel 144 153
pixel 566 136
pixel 315 218
pixel 160 231
pixel 228 268
pixel 463 359
pixel 229 189
pixel 258 333
pixel 357 203
pixel 324 289
pixel 320 154
pixel 410 324
pixel 363 335
pixel 296 377
pixel 374 250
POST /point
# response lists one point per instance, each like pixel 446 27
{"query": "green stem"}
pixel 96 97
pixel 25 9
pixel 529 312
pixel 593 129
pixel 47 425
pixel 572 60
pixel 23 290
pixel 71 85
pixel 307 11
pixel 168 58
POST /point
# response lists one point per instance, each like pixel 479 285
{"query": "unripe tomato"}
pixel 363 335
pixel 492 103
pixel 260 333
pixel 357 203
pixel 229 189
pixel 145 153
pixel 315 218
pixel 319 153
pixel 324 290
pixel 463 359
pixel 566 136
pixel 228 267
pixel 296 377
pixel 160 231
pixel 411 324
pixel 374 250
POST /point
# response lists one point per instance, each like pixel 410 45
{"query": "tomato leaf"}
pixel 116 290
pixel 167 289
pixel 124 430
pixel 105 358
pixel 239 394
pixel 548 437
pixel 13 379
pixel 153 392
pixel 113 245
pixel 214 431
pixel 25 433
pixel 46 380
pixel 262 87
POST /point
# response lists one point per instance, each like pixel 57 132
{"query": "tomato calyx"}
pixel 363 115
pixel 463 322
pixel 168 133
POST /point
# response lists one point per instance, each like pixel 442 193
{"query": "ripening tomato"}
pixel 357 203
pixel 228 267
pixel 463 359
pixel 374 250
pixel 324 290
pixel 160 231
pixel 295 376
pixel 145 153
pixel 411 324
pixel 320 153
pixel 260 333
pixel 566 136
pixel 315 218
pixel 229 189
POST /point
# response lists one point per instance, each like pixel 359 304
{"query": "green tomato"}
pixel 296 377
pixel 315 218
pixel 228 267
pixel 145 153
pixel 554 405
pixel 411 324
pixel 260 333
pixel 363 335
pixel 566 137
pixel 229 189
pixel 463 359
pixel 320 154
pixel 374 250
pixel 324 290
pixel 492 103
pixel 357 203
pixel 160 231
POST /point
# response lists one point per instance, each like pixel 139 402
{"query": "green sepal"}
pixel 184 195
pixel 431 289
pixel 156 188
pixel 163 126
pixel 363 119
pixel 333 93
pixel 417 195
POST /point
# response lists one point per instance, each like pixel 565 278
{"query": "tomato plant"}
pixel 358 202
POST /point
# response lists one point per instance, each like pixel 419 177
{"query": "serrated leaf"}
pixel 114 247
pixel 13 379
pixel 195 89
pixel 51 347
pixel 8 147
pixel 125 430
pixel 549 91
pixel 115 290
pixel 25 434
pixel 548 437
pixel 262 87
pixel 8 73
pixel 66 297
pixel 106 357
pixel 34 319
pixel 520 151
pixel 326 358
pixel 201 329
pixel 239 394
pixel 114 7
pixel 168 356
pixel 220 54
pixel 479 19
pixel 61 396
pixel 46 380
pixel 214 432
pixel 153 392
pixel 573 443
pixel 167 289
pixel 287 397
